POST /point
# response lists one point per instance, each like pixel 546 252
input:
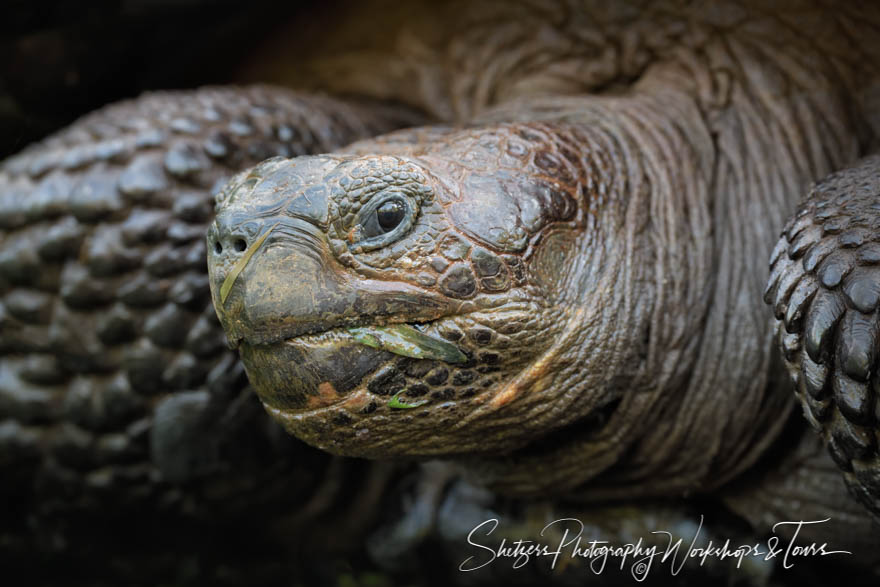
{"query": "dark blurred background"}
pixel 59 60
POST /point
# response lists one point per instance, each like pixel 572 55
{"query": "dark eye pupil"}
pixel 389 215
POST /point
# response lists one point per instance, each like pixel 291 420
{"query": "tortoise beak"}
pixel 283 282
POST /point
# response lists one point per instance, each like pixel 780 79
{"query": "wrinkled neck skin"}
pixel 661 337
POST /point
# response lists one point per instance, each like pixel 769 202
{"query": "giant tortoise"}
pixel 551 281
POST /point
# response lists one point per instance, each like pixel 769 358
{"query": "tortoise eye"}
pixel 382 221
pixel 390 214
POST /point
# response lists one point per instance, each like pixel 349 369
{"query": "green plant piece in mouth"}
pixel 403 339
pixel 396 402
pixel 241 264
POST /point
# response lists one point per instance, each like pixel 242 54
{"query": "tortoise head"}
pixel 388 306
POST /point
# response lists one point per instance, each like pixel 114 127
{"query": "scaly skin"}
pixel 824 287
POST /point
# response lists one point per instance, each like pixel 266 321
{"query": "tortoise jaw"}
pixel 319 370
pixel 309 372
pixel 400 338
pixel 392 319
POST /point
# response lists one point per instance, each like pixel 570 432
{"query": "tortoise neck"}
pixel 670 275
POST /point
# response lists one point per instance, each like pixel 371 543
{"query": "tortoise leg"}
pixel 825 289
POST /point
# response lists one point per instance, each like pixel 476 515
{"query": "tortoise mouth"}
pixel 320 369
pixel 406 339
pixel 368 305
pixel 309 371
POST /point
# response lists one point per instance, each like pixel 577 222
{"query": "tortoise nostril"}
pixel 240 245
pixel 218 248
